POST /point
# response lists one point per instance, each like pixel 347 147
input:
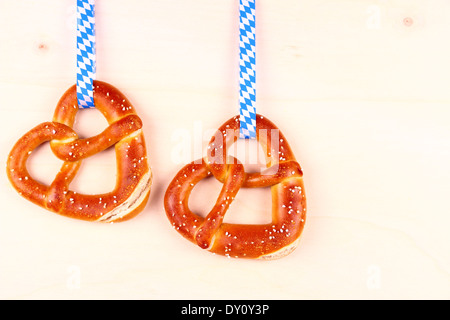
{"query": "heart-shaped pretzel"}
pixel 284 176
pixel 134 175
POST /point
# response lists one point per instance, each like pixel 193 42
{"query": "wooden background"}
pixel 360 89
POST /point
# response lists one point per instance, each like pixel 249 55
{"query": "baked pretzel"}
pixel 283 175
pixel 134 176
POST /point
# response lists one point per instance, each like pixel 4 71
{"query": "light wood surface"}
pixel 359 88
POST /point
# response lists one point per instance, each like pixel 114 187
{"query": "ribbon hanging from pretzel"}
pixel 247 69
pixel 86 67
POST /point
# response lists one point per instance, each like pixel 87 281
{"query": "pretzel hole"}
pixel 251 205
pixel 97 174
pixel 204 196
pixel 42 164
pixel 250 153
pixel 89 122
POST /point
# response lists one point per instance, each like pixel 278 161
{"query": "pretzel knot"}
pixel 124 131
pixel 283 175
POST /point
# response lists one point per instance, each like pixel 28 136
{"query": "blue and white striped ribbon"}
pixel 247 69
pixel 85 53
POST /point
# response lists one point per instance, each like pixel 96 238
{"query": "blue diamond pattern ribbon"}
pixel 247 69
pixel 86 68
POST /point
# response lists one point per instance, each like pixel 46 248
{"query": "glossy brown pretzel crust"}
pixel 124 132
pixel 284 176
